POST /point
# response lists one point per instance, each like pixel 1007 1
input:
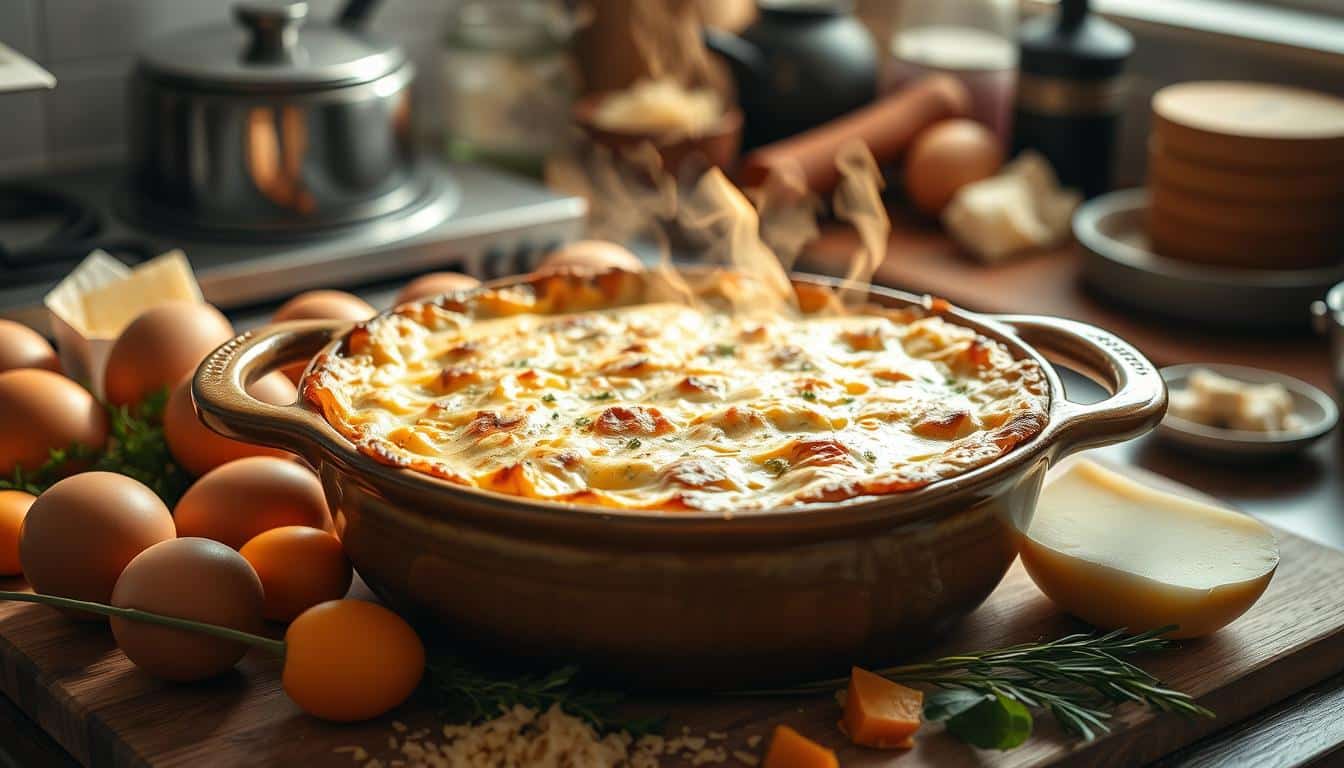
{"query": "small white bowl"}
pixel 1316 409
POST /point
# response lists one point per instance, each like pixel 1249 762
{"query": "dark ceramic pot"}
pixel 799 65
pixel 692 600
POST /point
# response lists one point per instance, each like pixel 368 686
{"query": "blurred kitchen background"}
pixel 89 47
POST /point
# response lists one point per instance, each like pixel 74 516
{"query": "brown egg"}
pixel 82 531
pixel 592 255
pixel 161 346
pixel 946 157
pixel 324 305
pixel 14 507
pixel 41 411
pixel 199 448
pixel 22 347
pixel 435 284
pixel 195 579
pixel 321 305
pixel 239 500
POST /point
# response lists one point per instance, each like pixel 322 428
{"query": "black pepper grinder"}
pixel 1070 93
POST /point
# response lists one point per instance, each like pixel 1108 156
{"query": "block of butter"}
pixel 91 306
pixel 1020 209
pixel 1121 554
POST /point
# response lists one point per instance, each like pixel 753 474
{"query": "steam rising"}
pixel 858 200
pixel 719 209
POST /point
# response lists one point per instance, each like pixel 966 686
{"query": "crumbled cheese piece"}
pixel 525 738
pixel 1021 208
pixel 357 754
pixel 1218 401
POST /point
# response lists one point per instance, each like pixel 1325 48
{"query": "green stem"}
pixel 134 614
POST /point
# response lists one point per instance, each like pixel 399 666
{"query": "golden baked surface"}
pixel 664 406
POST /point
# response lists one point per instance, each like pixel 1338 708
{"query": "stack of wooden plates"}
pixel 1247 175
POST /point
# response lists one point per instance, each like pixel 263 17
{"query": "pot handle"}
pixel 220 387
pixel 1138 394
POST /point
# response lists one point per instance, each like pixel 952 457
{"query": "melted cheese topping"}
pixel 665 406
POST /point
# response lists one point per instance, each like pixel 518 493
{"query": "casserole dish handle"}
pixel 220 387
pixel 1138 394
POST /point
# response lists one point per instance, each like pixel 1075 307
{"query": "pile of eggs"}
pixel 250 541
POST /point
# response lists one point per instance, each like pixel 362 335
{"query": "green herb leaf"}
pixel 997 722
pixel 808 395
pixel 582 421
pixel 776 466
pixel 548 398
pixel 946 703
pixel 633 443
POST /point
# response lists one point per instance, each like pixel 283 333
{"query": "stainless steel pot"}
pixel 272 126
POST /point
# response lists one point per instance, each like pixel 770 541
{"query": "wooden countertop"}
pixel 1304 495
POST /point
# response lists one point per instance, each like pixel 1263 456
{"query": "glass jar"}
pixel 508 82
pixel 974 40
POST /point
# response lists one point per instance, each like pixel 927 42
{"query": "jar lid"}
pixel 1073 48
pixel 270 48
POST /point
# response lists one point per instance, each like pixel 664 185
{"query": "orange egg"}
pixel 194 579
pixel 591 255
pixel 82 531
pixel 159 347
pixel 22 347
pixel 235 502
pixel 198 448
pixel 299 568
pixel 436 284
pixel 41 411
pixel 321 305
pixel 946 157
pixel 380 658
pixel 13 509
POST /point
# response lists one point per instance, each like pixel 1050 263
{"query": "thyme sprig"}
pixel 985 696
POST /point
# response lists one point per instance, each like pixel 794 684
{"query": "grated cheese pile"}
pixel 554 739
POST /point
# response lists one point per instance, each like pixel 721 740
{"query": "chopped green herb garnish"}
pixel 725 350
pixel 548 398
pixel 808 394
pixel 633 443
pixel 870 456
pixel 776 466
pixel 600 396
pixel 582 421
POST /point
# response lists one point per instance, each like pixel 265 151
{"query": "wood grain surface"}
pixel 71 680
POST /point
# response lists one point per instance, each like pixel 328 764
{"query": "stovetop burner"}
pixel 53 231
pixel 478 220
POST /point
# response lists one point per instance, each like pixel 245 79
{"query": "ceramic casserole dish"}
pixel 693 599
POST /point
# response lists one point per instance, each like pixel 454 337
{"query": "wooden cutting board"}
pixel 71 680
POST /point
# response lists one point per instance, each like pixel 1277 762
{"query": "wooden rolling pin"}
pixel 887 126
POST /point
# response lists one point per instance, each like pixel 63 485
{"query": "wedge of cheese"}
pixel 1120 554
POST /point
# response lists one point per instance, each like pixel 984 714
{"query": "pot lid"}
pixel 271 47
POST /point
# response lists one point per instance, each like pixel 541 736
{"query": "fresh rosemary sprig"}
pixel 986 697
pixel 468 694
pixel 136 448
